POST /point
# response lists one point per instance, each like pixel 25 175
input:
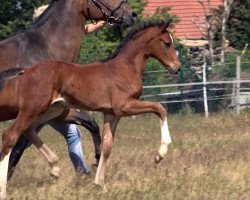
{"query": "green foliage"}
pixel 99 45
pixel 163 13
pixel 16 15
pixel 229 69
pixel 137 6
pixel 238 26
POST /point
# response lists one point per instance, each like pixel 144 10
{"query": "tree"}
pixel 226 11
pixel 16 15
pixel 238 24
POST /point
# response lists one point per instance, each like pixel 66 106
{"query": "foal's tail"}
pixel 9 74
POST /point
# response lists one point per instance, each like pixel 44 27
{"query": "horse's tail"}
pixel 9 74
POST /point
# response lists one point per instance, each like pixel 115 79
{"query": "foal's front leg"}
pixel 4 161
pixel 109 127
pixel 135 107
pixel 9 139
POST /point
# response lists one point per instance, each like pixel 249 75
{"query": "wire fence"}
pixel 224 94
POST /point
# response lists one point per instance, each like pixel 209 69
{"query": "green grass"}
pixel 208 159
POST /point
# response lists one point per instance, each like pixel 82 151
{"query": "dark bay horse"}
pixel 57 35
pixel 111 86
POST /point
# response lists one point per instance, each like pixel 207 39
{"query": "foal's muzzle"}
pixel 174 71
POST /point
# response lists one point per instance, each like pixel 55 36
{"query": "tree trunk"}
pixel 227 6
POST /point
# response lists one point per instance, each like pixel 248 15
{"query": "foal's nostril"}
pixel 134 14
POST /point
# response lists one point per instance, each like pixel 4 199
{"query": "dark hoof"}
pixel 85 173
pixel 158 159
pixel 1 156
pixel 94 167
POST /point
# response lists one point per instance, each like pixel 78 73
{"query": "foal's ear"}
pixel 168 27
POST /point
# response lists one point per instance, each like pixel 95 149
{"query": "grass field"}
pixel 208 159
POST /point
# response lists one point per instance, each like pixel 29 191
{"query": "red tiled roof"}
pixel 186 10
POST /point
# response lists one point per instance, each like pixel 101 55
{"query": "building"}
pixel 190 13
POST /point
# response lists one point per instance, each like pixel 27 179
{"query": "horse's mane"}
pixel 133 31
pixel 46 14
pixel 8 74
pixel 49 15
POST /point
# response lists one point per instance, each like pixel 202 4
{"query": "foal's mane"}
pixel 133 31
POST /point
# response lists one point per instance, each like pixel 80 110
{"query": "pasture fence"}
pixel 204 96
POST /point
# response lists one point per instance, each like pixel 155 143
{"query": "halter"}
pixel 101 5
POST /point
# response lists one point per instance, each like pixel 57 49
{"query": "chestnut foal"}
pixel 56 35
pixel 111 86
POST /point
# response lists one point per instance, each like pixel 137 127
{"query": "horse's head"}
pixel 161 47
pixel 113 11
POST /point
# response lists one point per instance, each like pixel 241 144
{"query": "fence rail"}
pixel 192 84
pixel 184 96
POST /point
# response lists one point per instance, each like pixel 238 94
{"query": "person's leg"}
pixel 73 138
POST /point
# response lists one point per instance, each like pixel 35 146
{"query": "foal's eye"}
pixel 167 44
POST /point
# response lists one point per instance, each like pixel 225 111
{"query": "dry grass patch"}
pixel 209 159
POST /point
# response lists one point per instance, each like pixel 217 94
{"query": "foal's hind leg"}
pixel 54 111
pixel 82 118
pixel 11 135
pixel 109 127
pixel 4 161
pixel 19 149
pixel 9 139
pixel 46 151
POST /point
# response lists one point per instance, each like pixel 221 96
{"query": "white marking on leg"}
pixel 165 139
pixel 3 175
pixel 52 159
pixel 165 135
pixel 59 99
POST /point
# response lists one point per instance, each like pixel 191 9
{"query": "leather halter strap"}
pixel 101 5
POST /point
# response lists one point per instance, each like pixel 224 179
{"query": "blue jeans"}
pixel 72 135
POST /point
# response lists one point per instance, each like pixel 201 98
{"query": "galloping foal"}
pixel 111 86
pixel 56 35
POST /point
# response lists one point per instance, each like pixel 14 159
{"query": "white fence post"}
pixel 237 94
pixel 205 88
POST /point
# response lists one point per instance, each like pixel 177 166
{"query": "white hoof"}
pixel 163 149
pixel 2 191
pixel 55 171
